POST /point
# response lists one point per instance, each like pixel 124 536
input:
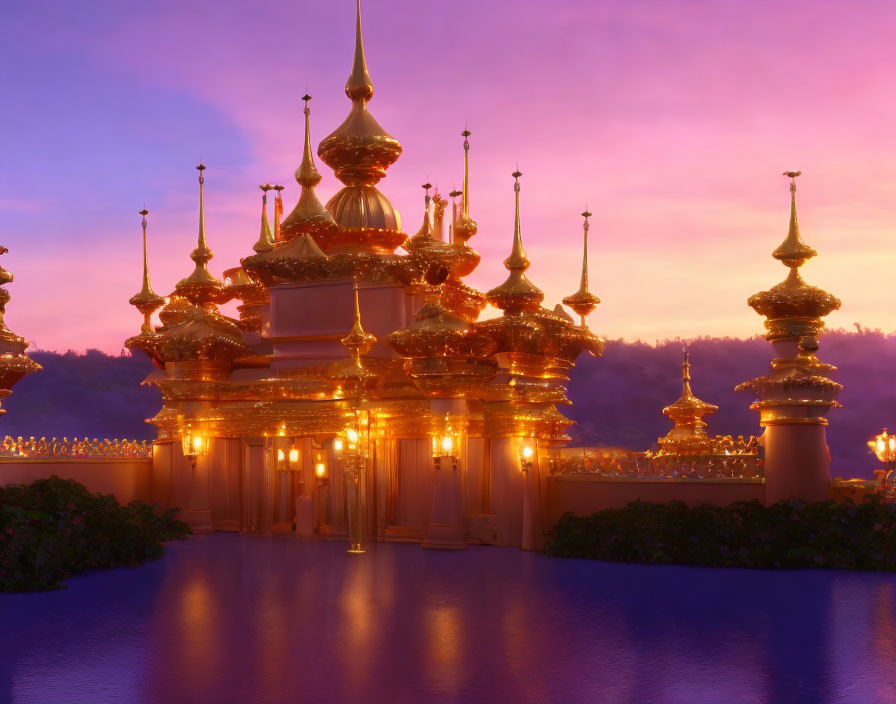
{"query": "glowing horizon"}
pixel 672 123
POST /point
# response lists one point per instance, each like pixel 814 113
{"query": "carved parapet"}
pixel 53 448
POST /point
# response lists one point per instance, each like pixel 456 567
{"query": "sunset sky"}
pixel 672 120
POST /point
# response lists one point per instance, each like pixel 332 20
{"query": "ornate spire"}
pixel 309 217
pixel 359 86
pixel 465 227
pixel 360 151
pixel 307 174
pixel 357 342
pixel 793 252
pixel 201 288
pixel 687 436
pixel 793 308
pixel 517 293
pixel 146 301
pixel 265 241
pixel 583 301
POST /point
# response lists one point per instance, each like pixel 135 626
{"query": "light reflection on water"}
pixel 227 618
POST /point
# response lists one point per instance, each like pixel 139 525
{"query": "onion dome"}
pixel 201 288
pixel 146 300
pixel 517 293
pixel 793 308
pixel 14 363
pixel 688 435
pixel 583 301
pixel 265 241
pixel 309 217
pixel 446 355
pixel 190 333
pixel 359 151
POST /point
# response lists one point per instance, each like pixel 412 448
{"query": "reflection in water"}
pixel 226 618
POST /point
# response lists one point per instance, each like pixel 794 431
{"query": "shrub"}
pixel 53 528
pixel 788 534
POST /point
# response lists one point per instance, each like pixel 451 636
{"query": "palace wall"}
pixel 128 478
pixel 585 494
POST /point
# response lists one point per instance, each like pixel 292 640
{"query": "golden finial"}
pixel 147 287
pixel 793 252
pixel 265 241
pixel 465 227
pixel 146 301
pixel 359 85
pixel 307 174
pixel 517 293
pixel 517 258
pixel 278 211
pixel 583 301
pixel 202 243
pixel 309 217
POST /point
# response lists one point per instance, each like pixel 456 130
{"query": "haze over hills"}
pixel 617 399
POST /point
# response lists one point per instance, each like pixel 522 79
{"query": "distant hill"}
pixel 617 399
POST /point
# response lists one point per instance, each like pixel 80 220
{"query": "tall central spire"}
pixel 359 86
pixel 359 151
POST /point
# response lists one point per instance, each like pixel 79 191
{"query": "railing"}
pixel 644 466
pixel 32 448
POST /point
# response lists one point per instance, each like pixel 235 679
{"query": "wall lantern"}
pixel 527 452
pixel 194 444
pixel 320 467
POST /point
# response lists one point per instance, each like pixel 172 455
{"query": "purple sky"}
pixel 672 120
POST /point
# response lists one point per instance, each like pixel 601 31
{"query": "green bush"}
pixel 53 528
pixel 788 534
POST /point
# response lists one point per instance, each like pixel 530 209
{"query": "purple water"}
pixel 227 618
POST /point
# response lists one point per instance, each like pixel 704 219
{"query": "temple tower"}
pixel 794 398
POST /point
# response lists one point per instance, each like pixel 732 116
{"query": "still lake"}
pixel 229 618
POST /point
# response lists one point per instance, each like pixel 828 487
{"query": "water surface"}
pixel 228 618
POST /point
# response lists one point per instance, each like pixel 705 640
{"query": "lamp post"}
pixel 353 448
pixel 527 452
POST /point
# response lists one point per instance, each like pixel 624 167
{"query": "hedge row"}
pixel 53 528
pixel 788 534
